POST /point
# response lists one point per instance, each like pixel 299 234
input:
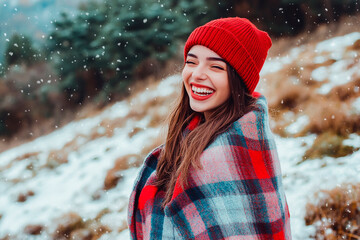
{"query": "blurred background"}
pixel 86 85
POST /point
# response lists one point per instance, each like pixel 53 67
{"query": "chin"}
pixel 195 109
pixel 200 109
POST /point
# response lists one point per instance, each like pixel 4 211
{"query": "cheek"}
pixel 221 81
pixel 226 90
pixel 185 74
pixel 185 82
pixel 185 78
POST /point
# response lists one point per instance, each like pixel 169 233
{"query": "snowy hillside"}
pixel 76 181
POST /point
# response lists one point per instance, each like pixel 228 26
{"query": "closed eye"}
pixel 190 62
pixel 218 67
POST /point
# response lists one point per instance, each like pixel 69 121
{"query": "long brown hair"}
pixel 180 154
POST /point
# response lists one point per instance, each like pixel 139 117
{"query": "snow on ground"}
pixel 298 125
pixel 355 107
pixel 336 46
pixel 301 181
pixel 274 64
pixel 338 73
pixel 71 186
pixel 67 133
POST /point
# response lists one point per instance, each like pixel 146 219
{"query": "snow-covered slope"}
pixel 75 183
pixel 65 171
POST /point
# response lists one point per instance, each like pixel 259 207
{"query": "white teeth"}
pixel 201 90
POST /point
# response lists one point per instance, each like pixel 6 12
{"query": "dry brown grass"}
pixel 22 197
pixel 288 95
pixel 72 226
pixel 336 212
pixel 27 156
pixel 31 156
pixel 58 157
pixel 40 127
pixel 66 224
pixel 122 226
pixel 292 89
pixel 106 128
pixel 333 116
pixel 157 119
pixel 134 131
pixel 160 111
pixel 114 175
pixel 34 229
pixel 153 144
pixel 346 91
pixel 171 67
pixel 328 144
pixel 355 46
pixel 140 110
pixel 7 237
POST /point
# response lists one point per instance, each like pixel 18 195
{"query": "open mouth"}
pixel 201 91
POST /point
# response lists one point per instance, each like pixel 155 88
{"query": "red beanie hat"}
pixel 237 41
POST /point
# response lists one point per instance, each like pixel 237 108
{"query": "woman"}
pixel 217 176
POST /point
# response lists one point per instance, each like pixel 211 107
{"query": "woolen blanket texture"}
pixel 238 193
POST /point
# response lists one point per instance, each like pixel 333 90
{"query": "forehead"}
pixel 202 51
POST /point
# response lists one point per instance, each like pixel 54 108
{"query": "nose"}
pixel 199 72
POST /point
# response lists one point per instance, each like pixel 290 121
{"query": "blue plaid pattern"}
pixel 237 194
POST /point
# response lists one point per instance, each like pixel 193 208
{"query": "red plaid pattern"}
pixel 238 194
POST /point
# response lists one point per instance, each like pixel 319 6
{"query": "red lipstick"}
pixel 198 97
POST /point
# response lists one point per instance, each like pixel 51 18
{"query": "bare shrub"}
pixel 336 212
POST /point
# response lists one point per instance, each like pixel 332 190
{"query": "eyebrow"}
pixel 208 58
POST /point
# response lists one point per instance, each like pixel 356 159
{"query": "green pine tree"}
pixel 20 50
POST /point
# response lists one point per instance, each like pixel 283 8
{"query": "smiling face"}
pixel 205 78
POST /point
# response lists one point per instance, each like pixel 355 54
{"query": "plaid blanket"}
pixel 238 194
